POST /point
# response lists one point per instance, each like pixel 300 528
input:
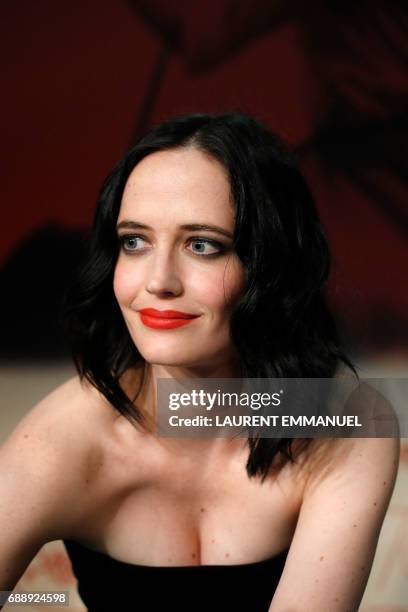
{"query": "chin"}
pixel 175 355
pixel 177 352
pixel 199 363
pixel 166 355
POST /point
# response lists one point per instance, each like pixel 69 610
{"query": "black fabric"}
pixel 107 584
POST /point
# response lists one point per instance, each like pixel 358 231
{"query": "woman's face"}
pixel 175 226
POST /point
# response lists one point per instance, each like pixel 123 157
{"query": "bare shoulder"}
pixel 356 458
pixel 56 448
pixel 352 459
pixel 69 417
pixel 47 467
pixel 347 493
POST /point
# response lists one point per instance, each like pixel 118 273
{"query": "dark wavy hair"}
pixel 281 326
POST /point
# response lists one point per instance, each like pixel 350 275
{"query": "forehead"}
pixel 182 183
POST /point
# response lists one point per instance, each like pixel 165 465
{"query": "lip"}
pixel 167 314
pixel 165 319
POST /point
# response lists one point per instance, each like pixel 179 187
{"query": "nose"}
pixel 162 277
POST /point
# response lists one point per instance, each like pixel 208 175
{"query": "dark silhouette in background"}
pixel 34 280
pixel 352 65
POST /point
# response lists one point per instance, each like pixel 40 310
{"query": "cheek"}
pixel 221 289
pixel 123 284
pixel 235 280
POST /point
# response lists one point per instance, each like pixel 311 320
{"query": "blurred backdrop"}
pixel 80 83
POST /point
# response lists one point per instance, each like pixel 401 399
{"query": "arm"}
pixel 333 548
pixel 41 467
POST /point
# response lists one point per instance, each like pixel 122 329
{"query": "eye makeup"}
pixel 215 247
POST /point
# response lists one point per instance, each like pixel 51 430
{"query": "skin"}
pixel 164 266
pixel 74 468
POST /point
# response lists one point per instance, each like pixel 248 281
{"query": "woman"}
pixel 206 260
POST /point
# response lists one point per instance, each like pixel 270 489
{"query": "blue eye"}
pixel 131 243
pixel 205 246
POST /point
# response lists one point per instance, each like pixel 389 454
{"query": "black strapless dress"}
pixel 107 584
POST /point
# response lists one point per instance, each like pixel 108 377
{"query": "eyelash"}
pixel 220 247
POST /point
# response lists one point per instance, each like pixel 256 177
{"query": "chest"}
pixel 164 509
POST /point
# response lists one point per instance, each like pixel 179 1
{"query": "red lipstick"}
pixel 165 319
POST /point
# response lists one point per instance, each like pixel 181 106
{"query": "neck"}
pixel 230 369
pixel 148 400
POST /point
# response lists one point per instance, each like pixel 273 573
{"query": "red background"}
pixel 74 77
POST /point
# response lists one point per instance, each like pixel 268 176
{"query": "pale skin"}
pixel 74 468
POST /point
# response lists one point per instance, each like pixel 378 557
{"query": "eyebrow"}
pixel 192 227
